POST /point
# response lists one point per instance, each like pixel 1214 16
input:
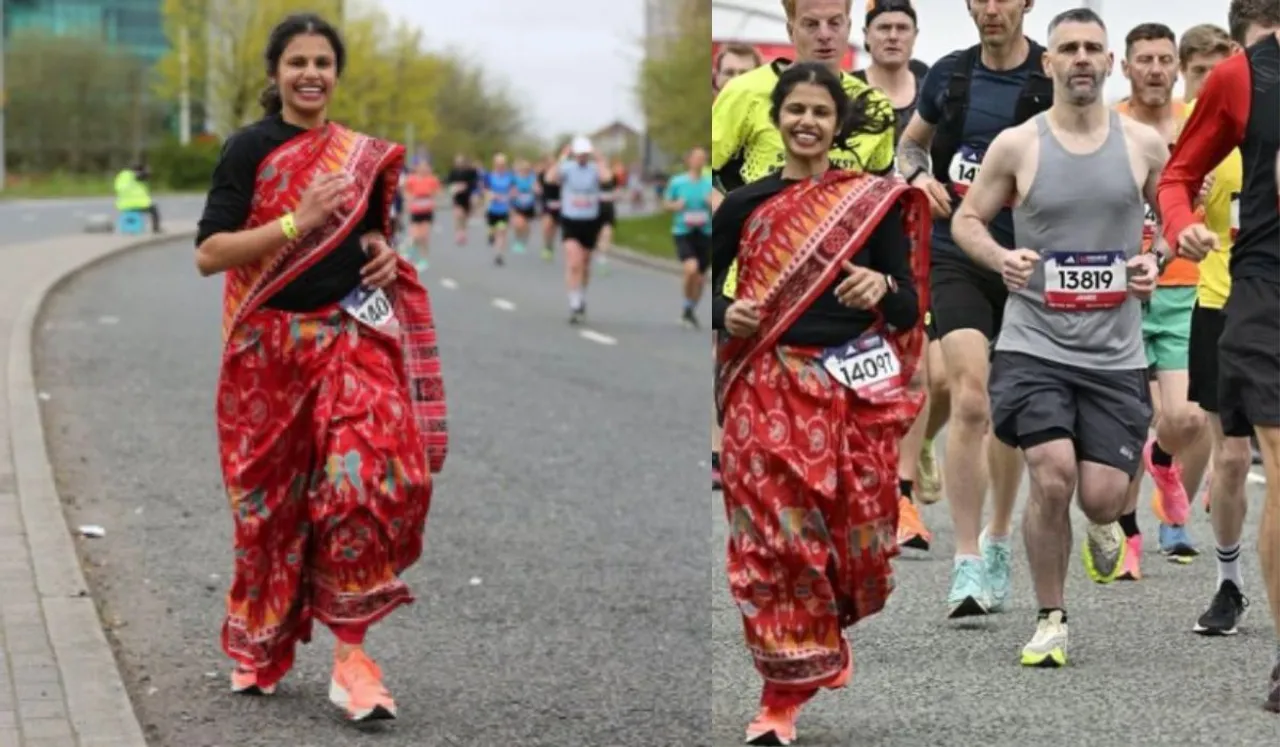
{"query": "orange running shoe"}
pixel 245 682
pixel 357 688
pixel 773 726
pixel 911 530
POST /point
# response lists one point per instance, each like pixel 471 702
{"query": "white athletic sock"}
pixel 996 539
pixel 1229 565
pixel 576 299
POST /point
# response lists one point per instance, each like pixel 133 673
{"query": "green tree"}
pixel 675 96
pixel 79 107
pixel 477 116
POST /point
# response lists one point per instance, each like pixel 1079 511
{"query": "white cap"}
pixel 581 146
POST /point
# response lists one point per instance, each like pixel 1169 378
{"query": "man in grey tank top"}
pixel 1068 382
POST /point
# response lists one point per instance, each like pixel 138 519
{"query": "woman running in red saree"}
pixel 824 322
pixel 330 406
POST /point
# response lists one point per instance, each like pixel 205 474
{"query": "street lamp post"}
pixel 4 99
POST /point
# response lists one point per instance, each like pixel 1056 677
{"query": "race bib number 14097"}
pixel 868 365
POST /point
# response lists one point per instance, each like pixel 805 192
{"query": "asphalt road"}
pixel 563 591
pixel 1138 676
pixel 32 220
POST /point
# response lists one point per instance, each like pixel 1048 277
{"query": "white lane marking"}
pixel 108 320
pixel 449 283
pixel 504 304
pixel 28 217
pixel 593 336
pixel 1256 478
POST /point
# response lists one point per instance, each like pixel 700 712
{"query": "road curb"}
pixel 98 704
pixel 631 256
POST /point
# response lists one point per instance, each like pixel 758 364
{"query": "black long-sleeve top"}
pixel 226 209
pixel 827 322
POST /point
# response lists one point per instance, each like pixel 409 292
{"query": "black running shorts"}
pixel 424 217
pixel 497 220
pixel 1249 358
pixel 965 296
pixel 462 201
pixel 1105 414
pixel 1202 358
pixel 695 245
pixel 608 214
pixel 585 232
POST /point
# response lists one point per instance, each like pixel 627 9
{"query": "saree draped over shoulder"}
pixel 810 468
pixel 329 429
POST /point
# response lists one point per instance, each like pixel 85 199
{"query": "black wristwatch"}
pixel 914 174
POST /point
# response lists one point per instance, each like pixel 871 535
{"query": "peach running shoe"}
pixel 357 688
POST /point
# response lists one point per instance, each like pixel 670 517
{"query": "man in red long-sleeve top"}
pixel 1239 106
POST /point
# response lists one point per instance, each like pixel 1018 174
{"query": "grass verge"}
pixel 648 234
pixel 42 186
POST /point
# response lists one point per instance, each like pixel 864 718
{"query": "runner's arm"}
pixel 992 190
pixel 726 232
pixel 220 242
pixel 913 148
pixel 729 114
pixel 891 256
pixel 669 197
pixel 1216 127
pixel 1156 155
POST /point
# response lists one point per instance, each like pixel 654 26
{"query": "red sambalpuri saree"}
pixel 329 430
pixel 809 468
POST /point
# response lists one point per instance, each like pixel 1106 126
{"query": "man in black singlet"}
pixel 549 199
pixel 463 181
pixel 890 34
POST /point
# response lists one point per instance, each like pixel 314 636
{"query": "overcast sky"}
pixel 572 62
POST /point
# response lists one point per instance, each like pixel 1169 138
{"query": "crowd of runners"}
pixel 1098 296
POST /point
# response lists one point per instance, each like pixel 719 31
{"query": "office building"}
pixel 134 25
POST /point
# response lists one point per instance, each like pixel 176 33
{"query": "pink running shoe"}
pixel 1131 571
pixel 1174 503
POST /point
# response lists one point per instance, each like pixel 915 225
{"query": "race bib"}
pixel 1235 216
pixel 524 200
pixel 370 307
pixel 868 365
pixel 965 165
pixel 1085 281
pixel 553 204
pixel 695 218
pixel 422 205
pixel 584 203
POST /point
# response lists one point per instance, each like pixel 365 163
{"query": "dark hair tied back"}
pixel 281 35
pixel 270 99
pixel 858 115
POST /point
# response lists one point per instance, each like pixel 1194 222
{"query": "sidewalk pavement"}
pixel 59 682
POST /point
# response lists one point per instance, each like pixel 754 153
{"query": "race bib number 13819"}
pixel 1085 281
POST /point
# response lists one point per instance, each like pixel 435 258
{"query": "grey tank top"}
pixel 1084 214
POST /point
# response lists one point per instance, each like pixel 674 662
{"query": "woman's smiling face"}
pixel 808 120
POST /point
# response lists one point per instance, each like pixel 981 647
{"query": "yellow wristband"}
pixel 289 227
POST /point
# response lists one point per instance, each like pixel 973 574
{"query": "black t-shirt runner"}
pixel 227 210
pixel 467 176
pixel 550 192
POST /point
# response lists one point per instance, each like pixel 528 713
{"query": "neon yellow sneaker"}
pixel 1048 648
